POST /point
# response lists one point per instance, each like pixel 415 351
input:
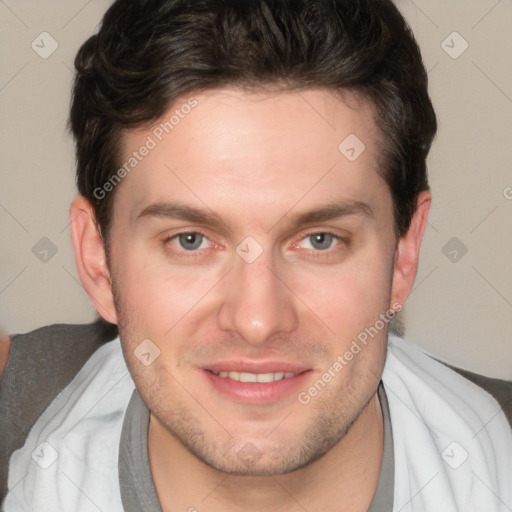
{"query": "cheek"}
pixel 153 296
pixel 349 298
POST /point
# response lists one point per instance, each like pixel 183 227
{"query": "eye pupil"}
pixel 190 241
pixel 321 240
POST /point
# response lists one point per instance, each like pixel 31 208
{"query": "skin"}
pixel 5 348
pixel 257 161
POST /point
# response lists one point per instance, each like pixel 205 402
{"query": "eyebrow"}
pixel 334 210
pixel 181 212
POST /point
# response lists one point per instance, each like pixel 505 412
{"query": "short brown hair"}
pixel 149 52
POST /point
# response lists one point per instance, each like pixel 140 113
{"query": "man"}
pixel 253 195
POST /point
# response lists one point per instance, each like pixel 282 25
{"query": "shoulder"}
pixel 500 389
pixel 45 360
pixel 63 337
pixel 449 380
pixel 41 363
pixel 473 392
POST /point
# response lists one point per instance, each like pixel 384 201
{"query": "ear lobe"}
pixel 90 258
pixel 408 250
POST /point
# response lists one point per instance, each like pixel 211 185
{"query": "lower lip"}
pixel 257 392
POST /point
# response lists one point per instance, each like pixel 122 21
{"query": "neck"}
pixel 343 479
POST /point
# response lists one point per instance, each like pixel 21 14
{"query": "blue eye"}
pixel 190 241
pixel 321 241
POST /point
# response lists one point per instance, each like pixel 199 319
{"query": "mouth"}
pixel 255 377
pixel 256 387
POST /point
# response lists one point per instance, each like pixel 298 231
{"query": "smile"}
pixel 255 377
pixel 257 387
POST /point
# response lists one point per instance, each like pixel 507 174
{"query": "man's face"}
pixel 246 241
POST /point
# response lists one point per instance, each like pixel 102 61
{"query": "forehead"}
pixel 254 150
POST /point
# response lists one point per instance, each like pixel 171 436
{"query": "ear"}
pixel 90 258
pixel 408 250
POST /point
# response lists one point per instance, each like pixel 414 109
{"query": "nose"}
pixel 257 303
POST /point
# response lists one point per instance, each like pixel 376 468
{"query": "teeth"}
pixel 255 377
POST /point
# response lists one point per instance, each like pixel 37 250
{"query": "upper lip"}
pixel 256 367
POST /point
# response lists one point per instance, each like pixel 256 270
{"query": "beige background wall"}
pixel 461 307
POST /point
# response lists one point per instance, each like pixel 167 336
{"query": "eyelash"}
pixel 326 255
pixel 339 238
pixel 344 241
pixel 183 252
